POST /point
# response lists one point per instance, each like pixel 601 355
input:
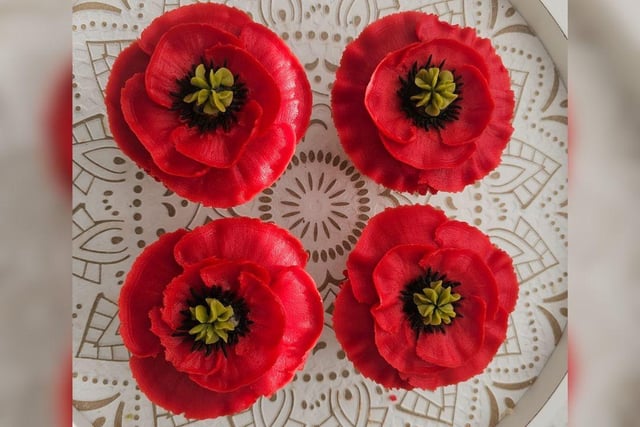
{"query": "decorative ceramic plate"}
pixel 326 202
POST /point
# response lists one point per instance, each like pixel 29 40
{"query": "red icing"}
pixel 220 167
pixel 383 142
pixel 283 305
pixel 397 247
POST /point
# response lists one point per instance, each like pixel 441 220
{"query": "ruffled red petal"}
pixel 152 271
pixel 497 133
pixel 355 126
pixel 457 234
pixel 131 61
pixel 153 126
pixel 383 102
pixel 180 291
pixel 460 341
pixel 444 148
pixel 485 159
pixel 379 38
pixel 464 266
pixel 427 152
pixel 176 392
pixel 273 53
pixel 390 228
pixel 476 108
pixel 495 332
pixel 178 51
pixel 241 239
pixel 354 325
pixel 219 148
pixel 225 274
pixel 226 18
pixel 267 157
pixel 397 268
pixel 352 121
pixel 304 316
pixel 259 80
pixel 398 348
pixel 255 353
pixel 178 348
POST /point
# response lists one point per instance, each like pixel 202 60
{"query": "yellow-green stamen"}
pixel 438 90
pixel 213 94
pixel 435 304
pixel 215 321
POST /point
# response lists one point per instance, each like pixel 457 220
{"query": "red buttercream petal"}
pixel 266 158
pixel 242 239
pixel 495 333
pixel 485 159
pixel 398 348
pixel 153 125
pixel 176 392
pixel 178 348
pixel 354 325
pixel 179 50
pixel 259 80
pixel 497 133
pixel 219 148
pixel 225 274
pixel 390 228
pixel 476 108
pixel 131 61
pixel 151 272
pixel 461 339
pixel 304 315
pixel 276 57
pixel 358 134
pixel 225 18
pixel 466 267
pixel 397 268
pixel 428 151
pixel 378 39
pixel 457 234
pixel 179 292
pixel 384 105
pixel 354 125
pixel 255 353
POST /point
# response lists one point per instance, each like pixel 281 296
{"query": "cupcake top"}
pixel 426 299
pixel 421 105
pixel 219 316
pixel 209 103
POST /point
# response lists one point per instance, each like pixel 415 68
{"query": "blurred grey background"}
pixel 604 269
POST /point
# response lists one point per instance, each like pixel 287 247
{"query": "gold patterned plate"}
pixel 326 202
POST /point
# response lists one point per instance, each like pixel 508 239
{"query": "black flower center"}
pixel 215 320
pixel 430 95
pixel 430 303
pixel 209 97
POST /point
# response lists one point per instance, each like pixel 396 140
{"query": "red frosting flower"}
pixel 210 103
pixel 426 300
pixel 421 105
pixel 219 316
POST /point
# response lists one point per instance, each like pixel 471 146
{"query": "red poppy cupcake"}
pixel 209 103
pixel 426 300
pixel 216 317
pixel 421 105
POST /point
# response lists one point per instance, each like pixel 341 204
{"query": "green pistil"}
pixel 214 94
pixel 438 90
pixel 215 321
pixel 435 304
